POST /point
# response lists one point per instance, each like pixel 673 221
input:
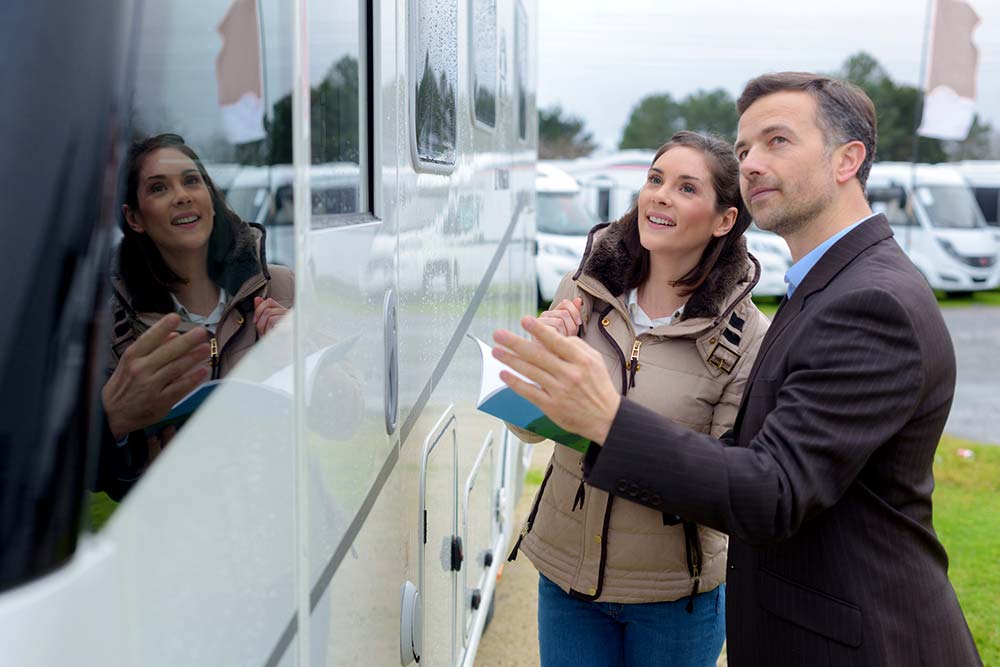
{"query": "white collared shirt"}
pixel 210 321
pixel 643 322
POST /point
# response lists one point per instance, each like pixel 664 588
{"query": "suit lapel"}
pixel 829 265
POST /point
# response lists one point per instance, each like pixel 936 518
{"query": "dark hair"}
pixel 846 113
pixel 724 169
pixel 143 270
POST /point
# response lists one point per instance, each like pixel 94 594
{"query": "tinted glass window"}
pixel 435 80
pixel 563 214
pixel 989 202
pixel 216 73
pixel 57 128
pixel 484 60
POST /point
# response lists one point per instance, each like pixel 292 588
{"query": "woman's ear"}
pixel 726 222
pixel 130 220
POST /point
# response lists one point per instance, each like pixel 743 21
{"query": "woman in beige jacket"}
pixel 664 293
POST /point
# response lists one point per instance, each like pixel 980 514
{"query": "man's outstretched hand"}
pixel 574 389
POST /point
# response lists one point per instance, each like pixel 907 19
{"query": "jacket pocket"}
pixel 809 608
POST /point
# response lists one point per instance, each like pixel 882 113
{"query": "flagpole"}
pixel 917 113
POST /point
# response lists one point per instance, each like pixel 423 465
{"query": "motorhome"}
pixel 562 227
pixel 610 183
pixel 362 518
pixel 935 218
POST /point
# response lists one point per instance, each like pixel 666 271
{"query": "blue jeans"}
pixel 577 633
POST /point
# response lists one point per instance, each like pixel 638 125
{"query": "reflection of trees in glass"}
pixel 435 117
pixel 334 122
pixel 485 61
pixel 486 103
pixel 521 65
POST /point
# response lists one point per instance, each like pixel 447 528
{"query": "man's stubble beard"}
pixel 796 215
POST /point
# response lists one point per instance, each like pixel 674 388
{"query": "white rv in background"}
pixel 936 220
pixel 356 512
pixel 563 224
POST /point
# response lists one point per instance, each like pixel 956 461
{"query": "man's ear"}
pixel 131 221
pixel 848 160
pixel 726 222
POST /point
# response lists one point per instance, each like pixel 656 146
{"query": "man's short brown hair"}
pixel 846 113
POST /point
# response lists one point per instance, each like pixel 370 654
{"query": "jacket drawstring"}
pixel 580 497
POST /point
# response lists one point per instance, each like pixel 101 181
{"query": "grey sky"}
pixel 599 58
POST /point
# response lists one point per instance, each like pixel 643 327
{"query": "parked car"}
pixel 563 222
pixel 936 220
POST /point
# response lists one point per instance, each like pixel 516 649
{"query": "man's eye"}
pixel 779 140
pixel 741 156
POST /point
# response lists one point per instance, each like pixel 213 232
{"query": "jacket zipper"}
pixel 526 528
pixel 611 498
pixel 633 362
pixel 213 345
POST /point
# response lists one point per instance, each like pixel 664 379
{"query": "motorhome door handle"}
pixel 391 363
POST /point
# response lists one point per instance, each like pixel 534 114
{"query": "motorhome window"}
pixel 563 214
pixel 989 203
pixel 950 206
pixel 521 69
pixel 484 59
pixel 434 82
pixel 889 202
pixel 338 109
pixel 604 204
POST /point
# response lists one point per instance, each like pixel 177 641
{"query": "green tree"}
pixel 896 109
pixel 652 122
pixel 562 136
pixel 657 117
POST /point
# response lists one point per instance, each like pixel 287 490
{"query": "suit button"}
pixel 656 500
pixel 621 486
pixel 644 496
pixel 633 490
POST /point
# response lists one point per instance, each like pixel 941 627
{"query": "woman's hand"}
pixel 266 314
pixel 564 318
pixel 156 371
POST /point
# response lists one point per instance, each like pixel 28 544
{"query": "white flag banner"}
pixel 950 96
pixel 238 73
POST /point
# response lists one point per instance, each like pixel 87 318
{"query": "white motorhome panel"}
pixel 281 523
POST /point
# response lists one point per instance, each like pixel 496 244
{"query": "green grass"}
pixel 991 298
pixel 967 520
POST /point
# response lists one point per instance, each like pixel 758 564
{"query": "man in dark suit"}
pixel 824 484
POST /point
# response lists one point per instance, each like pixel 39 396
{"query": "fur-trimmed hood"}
pixel 607 260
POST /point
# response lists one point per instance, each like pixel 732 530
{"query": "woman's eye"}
pixel 192 180
pixel 655 180
pixel 688 188
pixel 157 187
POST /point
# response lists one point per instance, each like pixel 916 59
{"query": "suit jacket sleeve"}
pixel 853 380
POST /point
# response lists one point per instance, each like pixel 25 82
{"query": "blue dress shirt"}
pixel 797 272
